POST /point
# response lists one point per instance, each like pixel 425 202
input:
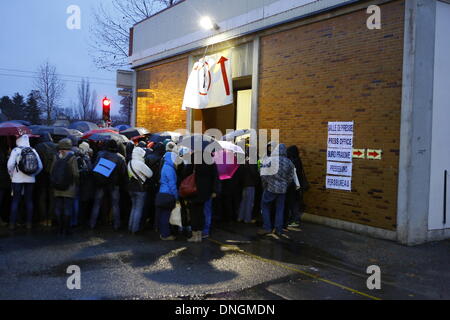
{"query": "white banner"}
pixel 340 183
pixel 340 128
pixel 343 155
pixel 337 168
pixel 210 83
pixel 343 142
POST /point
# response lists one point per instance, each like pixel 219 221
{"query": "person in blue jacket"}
pixel 167 196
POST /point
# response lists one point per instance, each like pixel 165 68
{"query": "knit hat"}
pixel 171 146
pixel 65 144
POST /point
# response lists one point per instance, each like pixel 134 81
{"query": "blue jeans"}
pixel 137 206
pixel 207 210
pixel 164 203
pixel 267 199
pixel 115 198
pixel 17 189
pixel 246 207
pixel 63 206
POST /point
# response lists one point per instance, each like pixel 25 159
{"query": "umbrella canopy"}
pixel 91 132
pixel 22 122
pixel 226 163
pixel 174 136
pixel 75 133
pixel 109 136
pixel 134 132
pixel 83 126
pixel 227 145
pixel 54 131
pixel 237 133
pixel 156 137
pixel 198 142
pixel 122 127
pixel 13 129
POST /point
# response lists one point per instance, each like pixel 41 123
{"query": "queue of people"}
pixel 78 183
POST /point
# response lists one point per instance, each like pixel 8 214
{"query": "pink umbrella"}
pixel 226 163
pixel 13 129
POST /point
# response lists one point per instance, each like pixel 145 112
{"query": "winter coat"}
pixel 119 176
pixel 5 180
pixel 168 178
pixel 71 192
pixel 248 175
pixel 294 156
pixel 138 171
pixel 16 175
pixel 206 180
pixel 277 171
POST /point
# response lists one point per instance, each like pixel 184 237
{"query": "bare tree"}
pixel 50 89
pixel 86 101
pixel 111 33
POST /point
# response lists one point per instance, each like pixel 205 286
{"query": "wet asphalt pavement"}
pixel 314 262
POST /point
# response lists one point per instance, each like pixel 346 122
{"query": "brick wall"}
pixel 338 70
pixel 160 96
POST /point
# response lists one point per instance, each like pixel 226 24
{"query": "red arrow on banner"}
pixel 373 154
pixel 222 61
pixel 357 153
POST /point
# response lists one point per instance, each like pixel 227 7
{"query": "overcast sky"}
pixel 33 31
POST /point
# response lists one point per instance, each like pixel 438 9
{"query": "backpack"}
pixel 28 161
pixel 61 177
pixel 103 171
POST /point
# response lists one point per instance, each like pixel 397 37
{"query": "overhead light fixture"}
pixel 207 24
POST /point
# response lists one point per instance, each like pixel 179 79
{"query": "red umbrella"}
pixel 13 129
pixel 91 132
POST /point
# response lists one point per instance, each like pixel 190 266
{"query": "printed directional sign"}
pixel 340 183
pixel 340 141
pixel 374 154
pixel 344 155
pixel 340 128
pixel 359 153
pixel 338 168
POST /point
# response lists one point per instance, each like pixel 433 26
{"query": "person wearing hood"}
pixel 23 158
pixel 138 172
pixel 294 196
pixel 168 192
pixel 47 151
pixel 277 172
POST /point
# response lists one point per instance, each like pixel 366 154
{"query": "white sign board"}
pixel 340 183
pixel 340 128
pixel 337 168
pixel 343 155
pixel 210 83
pixel 340 141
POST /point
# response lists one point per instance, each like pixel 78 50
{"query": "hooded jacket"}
pixel 16 175
pixel 277 171
pixel 168 178
pixel 71 192
pixel 137 167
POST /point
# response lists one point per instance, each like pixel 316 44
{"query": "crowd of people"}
pixel 70 183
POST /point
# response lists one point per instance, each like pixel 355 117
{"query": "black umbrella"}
pixel 54 131
pixel 119 138
pixel 83 126
pixel 135 132
pixel 199 142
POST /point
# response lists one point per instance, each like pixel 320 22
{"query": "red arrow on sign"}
pixel 222 61
pixel 357 153
pixel 374 154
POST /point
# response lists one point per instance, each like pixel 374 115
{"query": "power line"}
pixel 64 80
pixel 59 74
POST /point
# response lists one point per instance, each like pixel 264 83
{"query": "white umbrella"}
pixel 237 133
pixel 227 145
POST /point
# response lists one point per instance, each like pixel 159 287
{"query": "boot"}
pixel 66 225
pixel 196 237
